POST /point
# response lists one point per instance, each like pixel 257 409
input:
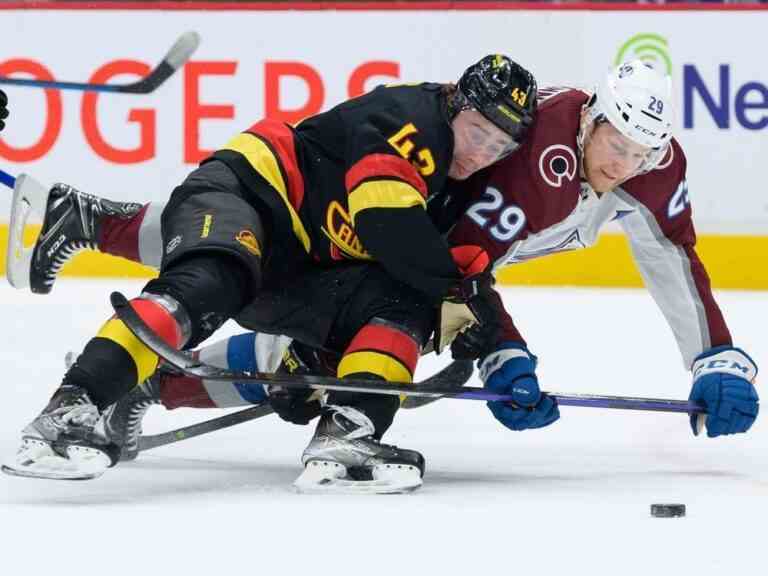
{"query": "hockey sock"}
pixel 235 353
pixel 379 351
pixel 135 236
pixel 115 360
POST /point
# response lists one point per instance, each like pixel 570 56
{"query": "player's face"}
pixel 610 157
pixel 476 144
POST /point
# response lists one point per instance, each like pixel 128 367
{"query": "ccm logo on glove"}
pixel 723 384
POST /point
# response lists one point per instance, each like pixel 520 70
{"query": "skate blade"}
pixel 326 477
pixel 29 196
pixel 36 459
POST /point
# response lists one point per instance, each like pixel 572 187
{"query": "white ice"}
pixel 572 498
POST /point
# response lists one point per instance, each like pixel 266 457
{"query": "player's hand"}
pixel 723 383
pixel 512 370
pixel 470 303
pixel 295 405
pixel 3 109
pixel 481 338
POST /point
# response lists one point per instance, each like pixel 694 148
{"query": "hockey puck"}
pixel 667 510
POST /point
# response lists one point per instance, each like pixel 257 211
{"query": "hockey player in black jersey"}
pixel 247 235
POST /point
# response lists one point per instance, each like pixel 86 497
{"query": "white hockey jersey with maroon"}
pixel 533 203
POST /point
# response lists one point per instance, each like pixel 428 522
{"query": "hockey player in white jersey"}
pixel 590 158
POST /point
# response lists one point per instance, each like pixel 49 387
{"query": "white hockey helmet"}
pixel 637 101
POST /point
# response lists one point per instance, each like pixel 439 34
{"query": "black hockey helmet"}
pixel 502 91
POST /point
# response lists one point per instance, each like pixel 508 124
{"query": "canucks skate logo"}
pixel 344 240
pixel 249 241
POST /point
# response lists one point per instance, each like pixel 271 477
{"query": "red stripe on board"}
pixel 380 6
pixel 384 166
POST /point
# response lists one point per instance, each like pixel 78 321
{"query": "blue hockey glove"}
pixel 722 383
pixel 512 370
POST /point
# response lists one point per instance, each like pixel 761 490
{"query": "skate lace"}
pixel 135 415
pixel 65 253
pixel 131 426
pixel 87 209
pixel 84 415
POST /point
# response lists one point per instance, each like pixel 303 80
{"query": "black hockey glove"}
pixel 294 404
pixel 3 109
pixel 470 306
pixel 297 405
pixel 482 338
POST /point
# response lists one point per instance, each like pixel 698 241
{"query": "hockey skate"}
pixel 71 223
pixel 65 442
pixel 122 420
pixel 344 457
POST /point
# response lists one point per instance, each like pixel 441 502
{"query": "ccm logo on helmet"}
pixel 645 130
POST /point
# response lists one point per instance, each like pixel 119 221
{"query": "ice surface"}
pixel 573 498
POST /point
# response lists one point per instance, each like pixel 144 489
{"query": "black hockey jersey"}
pixel 352 182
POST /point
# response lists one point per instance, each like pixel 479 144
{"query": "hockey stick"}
pixel 173 60
pixel 7 179
pixel 452 377
pixel 193 367
pixel 154 440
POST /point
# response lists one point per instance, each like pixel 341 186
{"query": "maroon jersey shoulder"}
pixel 542 176
pixel 657 188
pixel 534 188
pixel 664 192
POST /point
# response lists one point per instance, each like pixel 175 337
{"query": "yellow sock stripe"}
pixel 146 360
pixel 383 194
pixel 263 161
pixel 374 363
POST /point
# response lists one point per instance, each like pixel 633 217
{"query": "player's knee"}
pixel 209 287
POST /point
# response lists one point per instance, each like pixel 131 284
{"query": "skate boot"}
pixel 71 223
pixel 343 456
pixel 122 420
pixel 65 442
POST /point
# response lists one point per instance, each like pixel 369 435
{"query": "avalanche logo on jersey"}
pixel 667 160
pixel 558 164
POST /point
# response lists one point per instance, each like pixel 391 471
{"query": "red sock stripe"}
pixel 184 392
pixel 159 320
pixel 389 341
